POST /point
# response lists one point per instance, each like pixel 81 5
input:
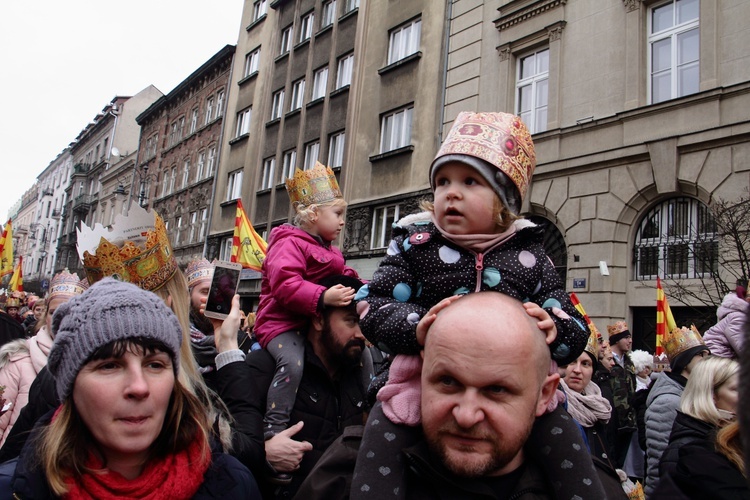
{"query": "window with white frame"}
pixel 193 227
pixel 243 122
pixel 674 49
pixel 286 40
pixel 234 185
pixel 181 128
pixel 298 94
pixel 185 173
pixel 259 9
pixel 173 134
pixel 336 149
pixel 172 179
pixel 178 230
pixel 252 63
pixel 277 104
pixel 320 82
pixel 151 145
pixel 382 221
pixel 327 13
pixel 267 175
pixel 312 151
pixel 199 169
pixel 164 183
pixel 676 239
pixel 395 129
pixel 204 223
pixel 344 71
pixel 225 252
pixel 404 40
pixel 350 5
pixel 287 164
pixel 194 120
pixel 209 109
pixel 220 103
pixel 305 26
pixel 211 161
pixel 532 89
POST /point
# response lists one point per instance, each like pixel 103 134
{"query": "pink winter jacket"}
pixel 20 361
pixel 725 338
pixel 295 262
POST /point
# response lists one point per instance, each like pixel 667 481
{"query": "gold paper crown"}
pixel 680 340
pixel 500 139
pixel 199 270
pixel 136 249
pixel 65 284
pixel 317 185
pixel 618 327
pixel 594 330
pixel 592 344
pixel 12 302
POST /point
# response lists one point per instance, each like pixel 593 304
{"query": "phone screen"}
pixel 223 287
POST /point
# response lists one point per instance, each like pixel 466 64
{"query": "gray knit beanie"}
pixel 109 310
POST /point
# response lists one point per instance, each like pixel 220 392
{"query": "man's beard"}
pixel 201 322
pixel 347 355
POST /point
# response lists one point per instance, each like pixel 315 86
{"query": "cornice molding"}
pixel 521 14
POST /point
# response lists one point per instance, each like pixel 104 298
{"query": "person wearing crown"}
pixel 10 328
pixel 685 349
pixel 622 384
pixel 299 256
pixel 21 360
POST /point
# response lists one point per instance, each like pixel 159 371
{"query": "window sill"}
pixel 293 112
pixel 394 152
pixel 315 102
pixel 228 203
pixel 324 29
pixel 249 77
pixel 256 22
pixel 281 57
pixel 239 139
pixel 340 90
pixel 263 191
pixel 411 57
pixel 301 44
pixel 273 122
pixel 349 14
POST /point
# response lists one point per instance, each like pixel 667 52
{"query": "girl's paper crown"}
pixel 314 186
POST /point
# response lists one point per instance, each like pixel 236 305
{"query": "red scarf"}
pixel 174 477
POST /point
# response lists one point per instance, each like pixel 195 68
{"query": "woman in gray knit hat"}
pixel 126 428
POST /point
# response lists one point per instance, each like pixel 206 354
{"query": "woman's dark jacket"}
pixel 685 430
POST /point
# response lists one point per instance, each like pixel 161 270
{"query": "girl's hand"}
pixel 428 319
pixel 339 296
pixel 545 323
pixel 225 332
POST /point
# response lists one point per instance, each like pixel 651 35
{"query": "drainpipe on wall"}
pixel 446 47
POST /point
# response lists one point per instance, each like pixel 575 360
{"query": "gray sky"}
pixel 63 61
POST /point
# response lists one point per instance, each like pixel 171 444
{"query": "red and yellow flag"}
pixel 579 307
pixel 248 248
pixel 6 250
pixel 16 281
pixel 664 319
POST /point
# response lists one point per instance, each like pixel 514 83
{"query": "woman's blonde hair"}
pixel 729 444
pixel 504 218
pixel 306 215
pixel 704 382
pixel 65 444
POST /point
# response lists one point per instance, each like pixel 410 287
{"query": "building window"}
pixel 173 134
pixel 178 230
pixel 277 104
pixel 185 173
pixel 151 144
pixel 532 88
pixel 172 179
pixel 209 110
pixel 220 104
pixel 234 185
pixel 404 41
pixel 344 71
pixel 350 5
pixel 382 221
pixel 312 151
pixel 193 227
pixel 252 62
pixel 204 223
pixel 269 169
pixel 286 40
pixel 243 122
pixel 676 239
pixel 201 166
pixel 298 94
pixel 181 128
pixel 674 49
pixel 225 253
pixel 336 149
pixel 320 82
pixel 305 28
pixel 194 120
pixel 259 9
pixel 395 129
pixel 328 12
pixel 287 164
pixel 211 159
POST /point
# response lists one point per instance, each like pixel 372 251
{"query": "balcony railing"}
pixel 56 213
pixel 83 202
pixel 48 192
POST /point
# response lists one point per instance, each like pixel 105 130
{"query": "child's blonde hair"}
pixel 306 215
pixel 504 218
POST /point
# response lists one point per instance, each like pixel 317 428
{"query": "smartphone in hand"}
pixel 224 286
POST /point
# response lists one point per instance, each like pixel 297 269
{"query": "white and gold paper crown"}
pixel 135 249
pixel 199 270
pixel 680 340
pixel 317 185
pixel 66 284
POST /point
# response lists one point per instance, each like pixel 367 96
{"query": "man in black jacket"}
pixel 331 395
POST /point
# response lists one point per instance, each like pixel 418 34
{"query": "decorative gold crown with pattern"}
pixel 618 327
pixel 680 340
pixel 12 302
pixel 317 185
pixel 66 284
pixel 592 344
pixel 135 249
pixel 199 270
pixel 593 329
pixel 500 139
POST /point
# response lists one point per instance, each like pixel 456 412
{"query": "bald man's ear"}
pixel 547 392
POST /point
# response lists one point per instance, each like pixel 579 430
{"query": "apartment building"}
pixel 179 149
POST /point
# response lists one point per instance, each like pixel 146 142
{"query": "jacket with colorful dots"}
pixel 422 267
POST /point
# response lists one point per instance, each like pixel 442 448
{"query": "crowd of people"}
pixel 460 370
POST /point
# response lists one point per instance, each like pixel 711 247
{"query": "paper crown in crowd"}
pixel 680 340
pixel 500 139
pixel 592 345
pixel 66 284
pixel 317 185
pixel 199 270
pixel 12 302
pixel 135 249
